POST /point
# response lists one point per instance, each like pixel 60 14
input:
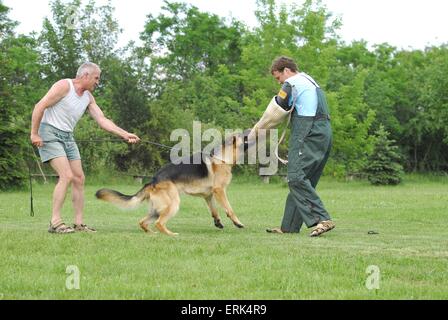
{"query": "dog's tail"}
pixel 122 200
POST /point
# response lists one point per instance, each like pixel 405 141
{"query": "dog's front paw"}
pixel 239 225
pixel 218 224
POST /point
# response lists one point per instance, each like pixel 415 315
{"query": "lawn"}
pixel 410 250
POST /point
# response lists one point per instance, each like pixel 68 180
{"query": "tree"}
pixel 77 34
pixel 18 86
pixel 351 119
pixel 196 57
pixel 408 90
pixel 429 126
pixel 384 166
pixel 6 25
pixel 184 41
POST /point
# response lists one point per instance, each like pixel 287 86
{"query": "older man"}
pixel 53 121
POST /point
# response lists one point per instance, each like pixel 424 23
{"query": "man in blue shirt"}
pixel 309 148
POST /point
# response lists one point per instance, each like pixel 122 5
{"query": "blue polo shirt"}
pixel 304 95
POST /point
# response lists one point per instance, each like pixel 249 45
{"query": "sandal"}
pixel 274 230
pixel 322 227
pixel 60 227
pixel 83 227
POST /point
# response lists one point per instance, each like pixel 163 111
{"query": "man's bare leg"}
pixel 62 167
pixel 78 190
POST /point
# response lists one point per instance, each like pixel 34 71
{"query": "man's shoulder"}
pixel 62 85
pixel 302 80
pixel 90 95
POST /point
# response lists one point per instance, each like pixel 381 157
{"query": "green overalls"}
pixel 309 148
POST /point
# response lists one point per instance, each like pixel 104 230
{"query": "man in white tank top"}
pixel 53 121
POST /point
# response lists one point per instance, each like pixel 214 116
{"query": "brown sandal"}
pixel 274 230
pixel 60 227
pixel 83 227
pixel 322 227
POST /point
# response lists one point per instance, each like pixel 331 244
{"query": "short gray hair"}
pixel 87 67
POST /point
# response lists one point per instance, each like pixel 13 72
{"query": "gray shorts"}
pixel 60 144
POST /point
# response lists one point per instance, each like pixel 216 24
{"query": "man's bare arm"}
pixel 58 91
pixel 108 125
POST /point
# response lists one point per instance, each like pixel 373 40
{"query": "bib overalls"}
pixel 309 148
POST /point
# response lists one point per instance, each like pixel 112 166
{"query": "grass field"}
pixel 122 262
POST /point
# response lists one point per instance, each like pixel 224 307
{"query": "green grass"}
pixel 121 262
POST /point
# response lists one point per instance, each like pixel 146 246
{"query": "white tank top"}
pixel 66 113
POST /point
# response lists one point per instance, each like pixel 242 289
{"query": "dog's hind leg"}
pixel 167 204
pixel 221 196
pixel 152 216
pixel 214 211
pixel 165 215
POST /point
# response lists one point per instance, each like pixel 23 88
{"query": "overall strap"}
pixel 322 112
pixel 309 79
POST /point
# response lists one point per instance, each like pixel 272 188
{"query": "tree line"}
pixel 194 65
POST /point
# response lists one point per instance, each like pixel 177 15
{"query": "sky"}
pixel 402 23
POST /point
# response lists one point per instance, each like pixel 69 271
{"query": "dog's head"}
pixel 233 148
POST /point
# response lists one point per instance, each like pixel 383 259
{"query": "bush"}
pixel 384 166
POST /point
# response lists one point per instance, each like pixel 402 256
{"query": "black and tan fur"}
pixel 208 180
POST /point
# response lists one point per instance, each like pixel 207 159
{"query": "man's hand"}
pixel 131 138
pixel 36 140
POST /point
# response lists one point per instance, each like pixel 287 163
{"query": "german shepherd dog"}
pixel 208 180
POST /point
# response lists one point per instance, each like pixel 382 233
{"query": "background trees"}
pixel 383 167
pixel 194 65
pixel 19 72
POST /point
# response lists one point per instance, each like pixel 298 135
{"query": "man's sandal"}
pixel 60 227
pixel 274 230
pixel 322 227
pixel 83 227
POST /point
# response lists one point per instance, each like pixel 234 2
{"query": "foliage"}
pixel 185 41
pixel 196 66
pixel 430 130
pixel 197 56
pixel 384 166
pixel 6 25
pixel 18 72
pixel 74 35
pixel 351 121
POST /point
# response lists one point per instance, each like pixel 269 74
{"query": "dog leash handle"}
pixel 31 193
pixel 285 162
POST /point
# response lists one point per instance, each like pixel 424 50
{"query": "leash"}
pixel 95 141
pixel 80 141
pixel 285 162
pixel 31 179
pixel 110 140
pixel 31 192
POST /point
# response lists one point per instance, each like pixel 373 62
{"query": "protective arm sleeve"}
pixel 284 97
